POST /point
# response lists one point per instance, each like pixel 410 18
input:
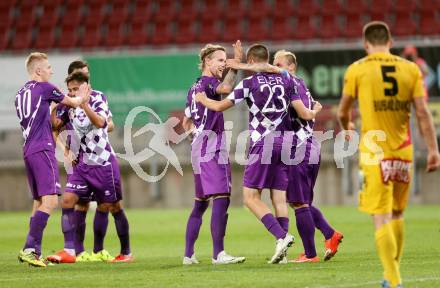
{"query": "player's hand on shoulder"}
pixel 433 161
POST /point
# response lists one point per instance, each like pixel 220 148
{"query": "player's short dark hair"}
pixel 78 64
pixel 377 33
pixel 258 52
pixel 78 76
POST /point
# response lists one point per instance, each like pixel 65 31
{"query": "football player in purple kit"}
pixel 212 176
pixel 302 176
pixel 32 103
pixel 60 122
pixel 97 170
pixel 268 98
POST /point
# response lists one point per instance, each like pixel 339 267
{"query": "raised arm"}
pixel 254 67
pixel 218 106
pixel 426 126
pixel 228 82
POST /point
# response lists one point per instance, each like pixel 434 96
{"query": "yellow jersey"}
pixel 385 86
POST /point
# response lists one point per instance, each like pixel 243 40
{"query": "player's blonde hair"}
pixel 32 59
pixel 291 58
pixel 207 51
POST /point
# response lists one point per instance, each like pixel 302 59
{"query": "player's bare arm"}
pixel 228 82
pixel 304 112
pixel 83 97
pixel 110 124
pixel 187 124
pixel 97 120
pixel 218 106
pixel 254 67
pixel 426 126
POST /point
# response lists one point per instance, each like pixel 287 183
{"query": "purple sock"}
pixel 37 224
pixel 68 227
pixel 219 220
pixel 122 229
pixel 100 223
pixel 273 226
pixel 321 223
pixel 80 231
pixel 284 223
pixel 306 230
pixel 193 226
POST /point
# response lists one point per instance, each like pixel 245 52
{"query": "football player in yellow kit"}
pixel 385 87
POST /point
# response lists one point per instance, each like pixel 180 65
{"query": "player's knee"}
pixel 298 205
pixel 83 207
pixel 103 207
pixel 49 203
pixel 115 207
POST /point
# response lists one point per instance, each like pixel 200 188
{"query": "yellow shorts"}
pixel 385 184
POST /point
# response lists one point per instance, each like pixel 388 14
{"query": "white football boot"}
pixel 190 261
pixel 281 248
pixel 224 258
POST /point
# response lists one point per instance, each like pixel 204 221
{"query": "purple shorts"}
pixel 302 178
pixel 42 173
pixel 94 182
pixel 270 173
pixel 214 177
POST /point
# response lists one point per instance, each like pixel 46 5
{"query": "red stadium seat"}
pixel 307 8
pixel 353 26
pixel 50 16
pixel 429 23
pixel 329 27
pixel 68 37
pixel 185 31
pixel 92 36
pixel 233 30
pixel 379 9
pixel 120 12
pixel 162 34
pixel 27 16
pixel 428 5
pixel 235 9
pixel 73 14
pixel 115 35
pixel 283 9
pixel 138 34
pixel 405 6
pixel 257 30
pixel 95 15
pixel 355 7
pixel 212 10
pixel 259 9
pixel 45 39
pixel 282 29
pixel 22 38
pixel 188 10
pixel 331 7
pixel 209 32
pixel 166 12
pixel 143 11
pixel 304 28
pixel 404 25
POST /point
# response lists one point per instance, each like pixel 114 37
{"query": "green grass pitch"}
pixel 157 239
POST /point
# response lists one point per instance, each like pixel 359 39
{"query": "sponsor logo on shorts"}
pixel 107 193
pixel 395 170
pixel 75 186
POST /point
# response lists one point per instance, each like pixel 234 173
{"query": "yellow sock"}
pixel 387 250
pixel 397 225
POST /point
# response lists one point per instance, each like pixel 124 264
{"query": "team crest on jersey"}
pixel 56 93
pixel 395 170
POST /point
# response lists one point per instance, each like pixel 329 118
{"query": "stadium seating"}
pixel 80 24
